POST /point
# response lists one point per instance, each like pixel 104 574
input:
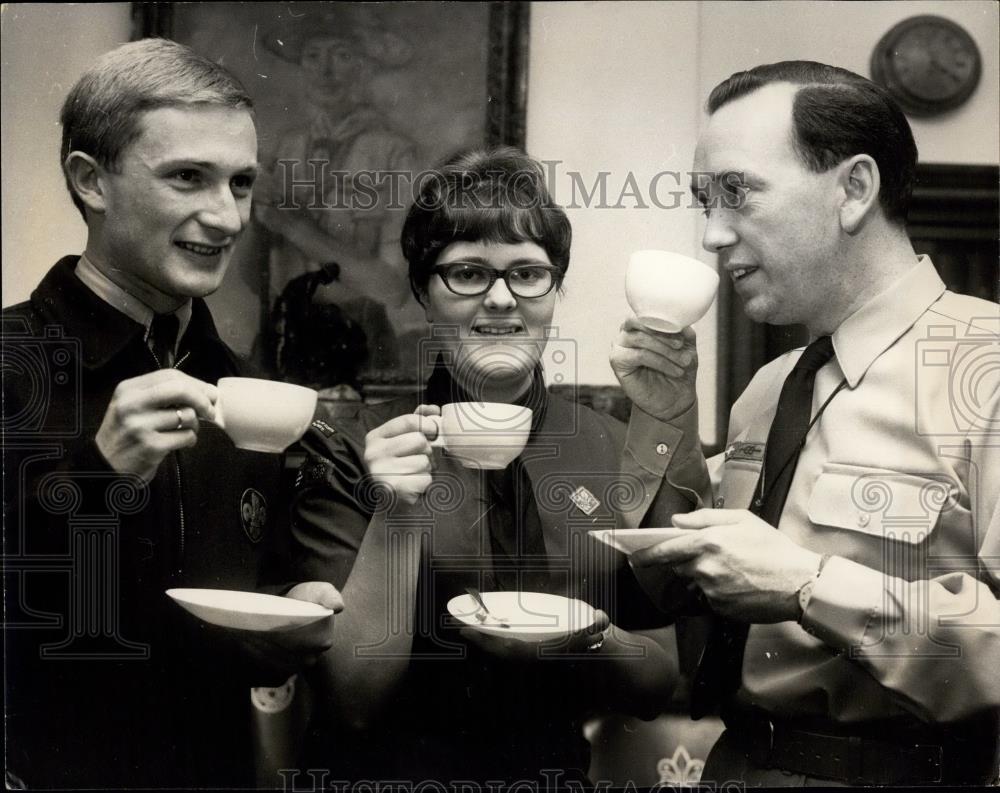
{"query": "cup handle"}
pixel 219 421
pixel 438 442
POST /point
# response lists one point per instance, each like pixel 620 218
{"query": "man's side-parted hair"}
pixel 103 113
pixel 837 114
pixel 483 195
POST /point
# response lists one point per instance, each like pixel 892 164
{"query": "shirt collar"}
pixel 103 331
pixel 873 328
pixel 128 304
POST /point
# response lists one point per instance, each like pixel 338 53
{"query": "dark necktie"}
pixel 720 670
pixel 163 338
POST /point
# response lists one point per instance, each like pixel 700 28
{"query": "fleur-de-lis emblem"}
pixel 681 769
pixel 253 512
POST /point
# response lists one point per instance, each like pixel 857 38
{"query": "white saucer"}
pixel 531 616
pixel 629 541
pixel 248 611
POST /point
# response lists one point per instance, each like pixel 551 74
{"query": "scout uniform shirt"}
pixel 110 683
pixel 899 480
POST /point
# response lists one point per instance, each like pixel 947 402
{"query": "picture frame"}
pixel 317 290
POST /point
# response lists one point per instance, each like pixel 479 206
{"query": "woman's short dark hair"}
pixel 837 114
pixel 489 195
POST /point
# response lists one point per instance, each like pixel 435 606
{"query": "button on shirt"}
pixel 899 481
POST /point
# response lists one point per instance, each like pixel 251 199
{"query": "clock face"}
pixel 928 63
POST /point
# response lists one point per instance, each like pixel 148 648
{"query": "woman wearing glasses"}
pixel 401 528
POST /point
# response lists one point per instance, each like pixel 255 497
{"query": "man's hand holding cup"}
pixel 152 415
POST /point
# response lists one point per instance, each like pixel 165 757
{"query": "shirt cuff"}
pixel 845 600
pixel 654 443
pixel 669 449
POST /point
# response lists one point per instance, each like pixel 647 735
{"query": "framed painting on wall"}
pixel 355 104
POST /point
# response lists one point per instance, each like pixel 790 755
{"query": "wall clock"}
pixel 928 63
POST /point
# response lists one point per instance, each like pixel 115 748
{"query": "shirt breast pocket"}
pixel 880 503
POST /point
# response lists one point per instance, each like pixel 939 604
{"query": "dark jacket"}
pixel 110 683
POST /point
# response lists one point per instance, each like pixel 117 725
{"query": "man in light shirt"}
pixel 853 579
pixel 116 482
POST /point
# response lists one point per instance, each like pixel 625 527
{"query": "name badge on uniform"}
pixel 253 513
pixel 585 501
pixel 746 450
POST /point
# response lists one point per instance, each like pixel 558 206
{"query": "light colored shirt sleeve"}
pixel 933 642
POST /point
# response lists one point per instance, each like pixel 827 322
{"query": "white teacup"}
pixel 264 415
pixel 669 291
pixel 482 434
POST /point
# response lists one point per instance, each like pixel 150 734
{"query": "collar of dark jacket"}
pixel 61 298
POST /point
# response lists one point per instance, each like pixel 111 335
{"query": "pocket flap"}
pixel 883 503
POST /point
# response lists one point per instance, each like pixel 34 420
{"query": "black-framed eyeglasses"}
pixel 523 280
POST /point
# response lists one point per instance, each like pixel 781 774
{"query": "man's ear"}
pixel 860 182
pixel 84 175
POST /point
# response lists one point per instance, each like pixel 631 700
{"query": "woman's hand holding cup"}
pixel 398 453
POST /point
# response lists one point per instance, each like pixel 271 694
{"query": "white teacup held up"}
pixel 263 415
pixel 485 435
pixel 669 291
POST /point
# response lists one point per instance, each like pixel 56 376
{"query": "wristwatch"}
pixel 806 590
